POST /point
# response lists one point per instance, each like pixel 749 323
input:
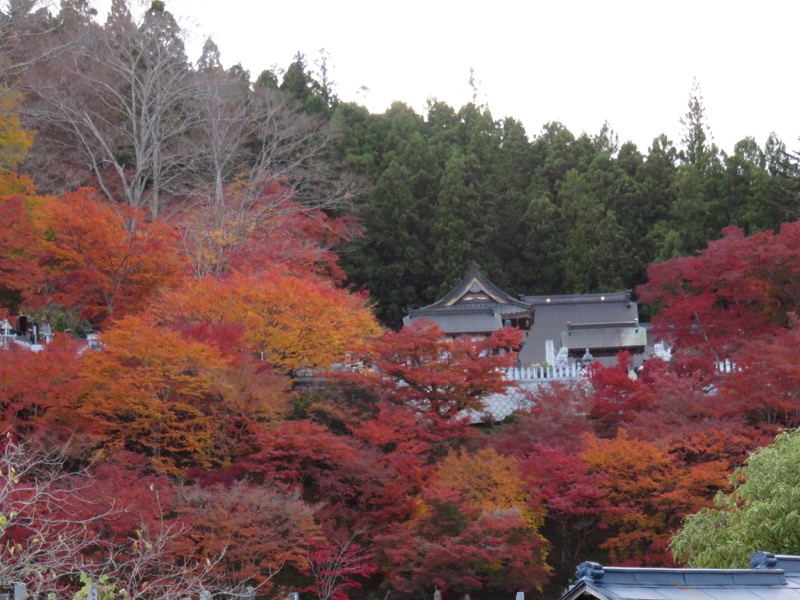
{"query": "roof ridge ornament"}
pixel 763 560
pixel 590 570
pixel 474 268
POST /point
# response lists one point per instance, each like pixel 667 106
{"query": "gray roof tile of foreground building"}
pixel 770 578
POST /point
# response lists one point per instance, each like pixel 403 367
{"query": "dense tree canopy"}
pixel 549 213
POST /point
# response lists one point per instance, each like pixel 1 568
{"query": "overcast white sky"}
pixel 630 63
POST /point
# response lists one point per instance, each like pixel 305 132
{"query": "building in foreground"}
pixel 771 577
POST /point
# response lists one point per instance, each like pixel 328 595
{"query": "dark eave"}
pixel 482 308
pixel 578 298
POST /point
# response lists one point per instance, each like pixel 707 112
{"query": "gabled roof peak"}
pixel 475 286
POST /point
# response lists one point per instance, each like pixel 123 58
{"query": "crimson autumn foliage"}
pixel 440 378
pixel 39 392
pixel 127 494
pixel 474 530
pixel 344 477
pixel 249 531
pixel 338 568
pixel 617 461
pixel 764 386
pixel 616 395
pixel 190 399
pixel 734 289
pixel 380 451
pixel 408 451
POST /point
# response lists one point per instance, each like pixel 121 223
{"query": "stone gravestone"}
pixel 20 591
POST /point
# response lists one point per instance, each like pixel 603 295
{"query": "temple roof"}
pixel 603 322
pixel 475 290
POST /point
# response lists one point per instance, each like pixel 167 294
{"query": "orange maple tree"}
pixel 105 259
pixel 20 238
pixel 290 322
pixel 648 493
pixel 148 392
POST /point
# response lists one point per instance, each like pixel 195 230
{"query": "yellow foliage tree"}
pixel 490 481
pixel 14 140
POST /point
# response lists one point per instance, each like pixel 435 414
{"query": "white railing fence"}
pixel 545 372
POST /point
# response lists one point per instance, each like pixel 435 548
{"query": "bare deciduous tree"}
pixel 121 108
pixel 22 24
pixel 42 539
pixel 122 97
pixel 336 568
pixel 258 156
pixel 47 538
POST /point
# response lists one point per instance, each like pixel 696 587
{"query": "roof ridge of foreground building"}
pixel 770 577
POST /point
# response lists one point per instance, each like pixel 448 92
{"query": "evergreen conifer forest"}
pixel 228 237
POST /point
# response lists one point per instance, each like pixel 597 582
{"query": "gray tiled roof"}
pixel 603 323
pixel 469 309
pixel 460 323
pixel 766 582
pixel 551 319
pixel 610 335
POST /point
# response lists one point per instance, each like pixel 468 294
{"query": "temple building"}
pixel 557 329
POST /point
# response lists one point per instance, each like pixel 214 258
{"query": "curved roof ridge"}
pixel 475 276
